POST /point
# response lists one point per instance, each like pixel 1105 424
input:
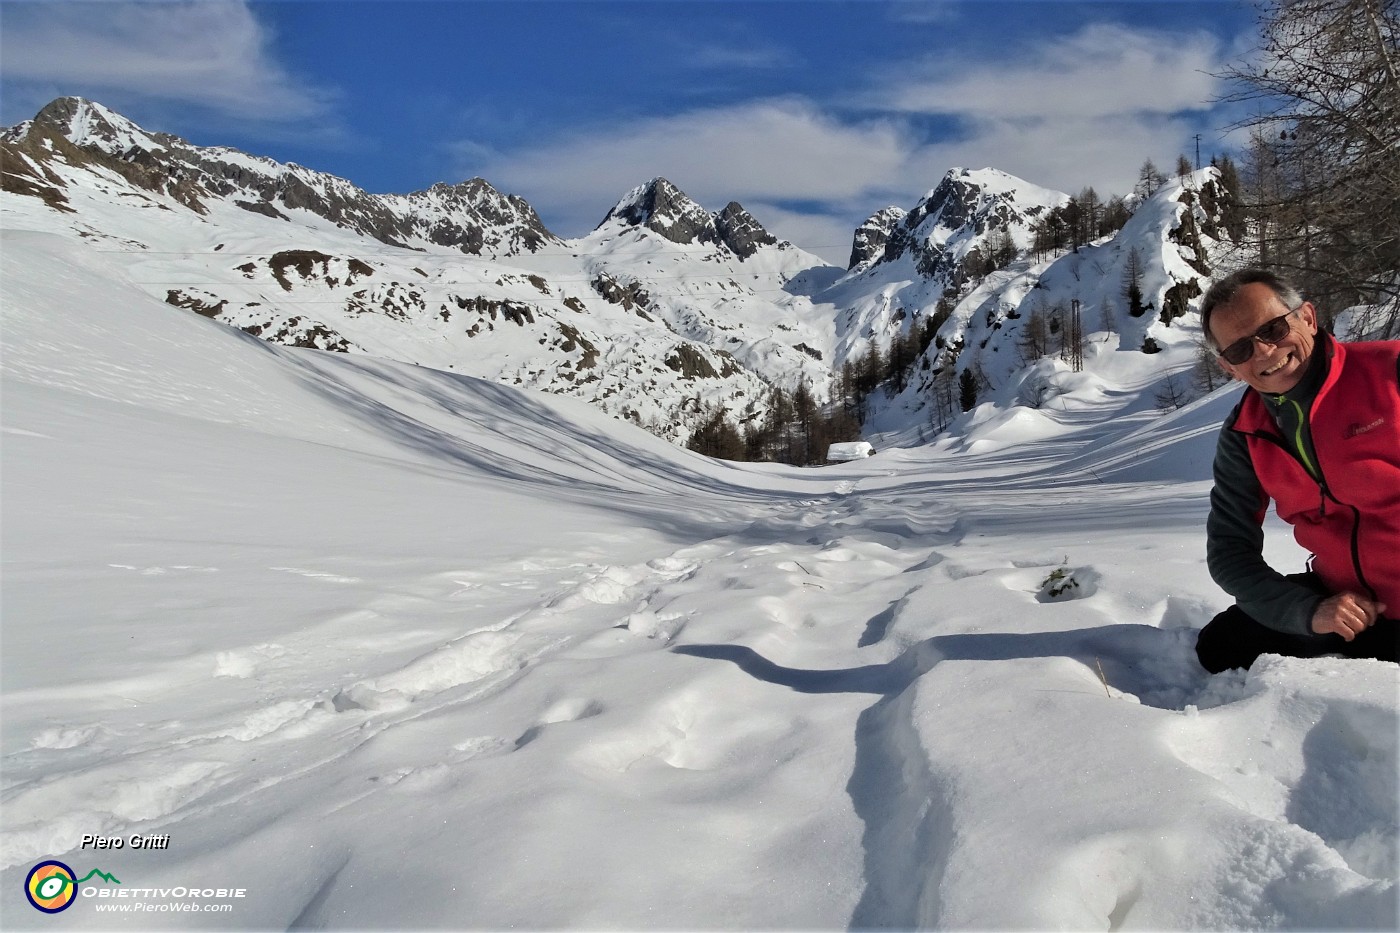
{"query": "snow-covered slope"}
pixel 392 648
pixel 649 326
pixel 902 263
pixel 719 280
pixel 1012 328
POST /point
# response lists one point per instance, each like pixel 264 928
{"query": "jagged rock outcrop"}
pixel 870 237
pixel 738 230
pixel 477 215
pixel 84 134
pixel 662 208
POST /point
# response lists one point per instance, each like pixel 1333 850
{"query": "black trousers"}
pixel 1233 639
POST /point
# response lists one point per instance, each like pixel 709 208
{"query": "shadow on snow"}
pixel 908 833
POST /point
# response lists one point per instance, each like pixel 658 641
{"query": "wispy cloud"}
pixel 1084 109
pixel 213 54
pixel 1101 71
pixel 740 57
pixel 924 11
pixel 784 149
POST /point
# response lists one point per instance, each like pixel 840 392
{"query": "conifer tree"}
pixel 1149 179
pixel 1206 374
pixel 967 390
pixel 1171 394
pixel 1035 337
pixel 716 437
pixel 1115 215
pixel 1132 283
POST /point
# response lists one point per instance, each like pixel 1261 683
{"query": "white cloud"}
pixel 774 149
pixel 214 54
pixel 1066 154
pixel 1086 109
pixel 924 12
pixel 1100 71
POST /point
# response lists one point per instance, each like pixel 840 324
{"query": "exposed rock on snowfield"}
pixel 662 208
pixel 738 230
pixel 871 236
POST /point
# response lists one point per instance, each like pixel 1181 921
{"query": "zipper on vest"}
pixel 1300 449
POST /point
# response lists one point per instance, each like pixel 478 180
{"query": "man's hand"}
pixel 1347 614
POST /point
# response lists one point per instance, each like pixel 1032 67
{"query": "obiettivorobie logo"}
pixel 52 886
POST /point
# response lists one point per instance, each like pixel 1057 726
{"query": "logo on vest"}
pixel 1358 429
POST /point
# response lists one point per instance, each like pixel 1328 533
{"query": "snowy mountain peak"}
pixel 995 180
pixel 476 192
pixel 978 196
pixel 473 189
pixel 661 207
pixel 740 231
pixel 472 212
pixel 648 330
pixel 960 216
pixel 664 209
pixel 87 123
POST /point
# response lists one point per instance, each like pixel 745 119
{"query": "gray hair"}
pixel 1224 291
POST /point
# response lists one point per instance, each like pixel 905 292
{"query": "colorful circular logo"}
pixel 51 886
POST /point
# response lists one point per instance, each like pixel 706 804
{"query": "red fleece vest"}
pixel 1351 520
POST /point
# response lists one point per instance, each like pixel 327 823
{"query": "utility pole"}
pixel 1076 337
pixel 1198 152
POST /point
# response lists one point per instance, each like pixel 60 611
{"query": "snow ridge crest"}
pixel 473 216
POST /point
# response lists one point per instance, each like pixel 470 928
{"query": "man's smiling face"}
pixel 1273 368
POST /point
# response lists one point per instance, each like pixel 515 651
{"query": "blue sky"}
pixel 812 114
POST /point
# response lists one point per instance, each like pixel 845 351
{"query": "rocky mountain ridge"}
pixel 661 207
pixel 472 217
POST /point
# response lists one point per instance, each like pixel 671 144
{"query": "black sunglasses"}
pixel 1271 333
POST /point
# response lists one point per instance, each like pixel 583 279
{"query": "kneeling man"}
pixel 1317 432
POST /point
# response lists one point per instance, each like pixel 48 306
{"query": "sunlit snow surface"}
pixel 390 648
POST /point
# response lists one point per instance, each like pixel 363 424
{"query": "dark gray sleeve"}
pixel 1235 544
